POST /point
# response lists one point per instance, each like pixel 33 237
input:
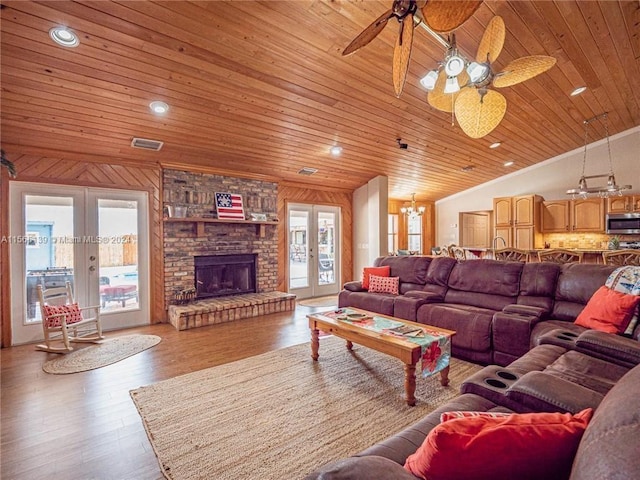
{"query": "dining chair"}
pixel 560 255
pixel 621 257
pixel 511 255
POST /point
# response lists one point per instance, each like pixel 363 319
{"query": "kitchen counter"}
pixel 590 255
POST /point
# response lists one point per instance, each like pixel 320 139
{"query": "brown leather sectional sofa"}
pixel 498 309
pixel 608 448
pixel 520 316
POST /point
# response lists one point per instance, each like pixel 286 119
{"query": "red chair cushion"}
pixel 71 313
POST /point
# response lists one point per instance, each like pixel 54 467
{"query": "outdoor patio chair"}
pixel 64 321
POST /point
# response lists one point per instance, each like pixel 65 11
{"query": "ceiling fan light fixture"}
pixel 452 85
pixel 429 80
pixel 454 65
pixel 478 72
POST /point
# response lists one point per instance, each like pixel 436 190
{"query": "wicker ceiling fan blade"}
pixel 369 33
pixel 445 101
pixel 478 114
pixel 522 69
pixel 444 16
pixel 402 54
pixel 492 41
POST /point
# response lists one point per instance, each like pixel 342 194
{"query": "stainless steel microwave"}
pixel 623 223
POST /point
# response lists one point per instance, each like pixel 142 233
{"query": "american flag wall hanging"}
pixel 229 205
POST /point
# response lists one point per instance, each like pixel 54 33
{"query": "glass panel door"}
pixel 314 253
pixel 89 237
pixel 299 274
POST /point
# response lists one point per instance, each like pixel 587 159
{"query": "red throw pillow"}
pixel 384 284
pixel 523 446
pixel 608 311
pixel 72 313
pixel 446 416
pixel 379 271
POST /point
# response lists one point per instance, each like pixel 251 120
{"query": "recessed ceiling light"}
pixel 508 164
pixel 63 36
pixel 335 151
pixel 159 107
pixel 495 145
pixel 578 91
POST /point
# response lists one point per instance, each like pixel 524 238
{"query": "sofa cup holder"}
pixel 495 383
pixel 507 375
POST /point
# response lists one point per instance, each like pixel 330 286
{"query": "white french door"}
pixel 314 249
pixel 98 239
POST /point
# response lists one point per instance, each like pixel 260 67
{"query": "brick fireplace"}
pixel 183 242
pixel 221 275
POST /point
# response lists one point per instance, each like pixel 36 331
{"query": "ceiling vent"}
pixel 146 144
pixel 307 171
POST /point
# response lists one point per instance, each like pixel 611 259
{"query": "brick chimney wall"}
pixel 195 191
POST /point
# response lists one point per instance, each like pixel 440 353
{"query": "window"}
pixel 414 234
pixel 393 233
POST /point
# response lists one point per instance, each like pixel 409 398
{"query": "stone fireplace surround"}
pixel 195 191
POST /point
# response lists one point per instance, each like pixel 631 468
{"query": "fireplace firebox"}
pixel 220 275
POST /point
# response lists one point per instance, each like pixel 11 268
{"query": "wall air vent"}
pixel 146 144
pixel 307 171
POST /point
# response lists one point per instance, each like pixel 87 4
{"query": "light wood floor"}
pixel 85 426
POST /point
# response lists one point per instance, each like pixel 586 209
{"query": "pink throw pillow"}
pixel 384 284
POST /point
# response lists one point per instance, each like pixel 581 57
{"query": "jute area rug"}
pixel 279 415
pixel 101 354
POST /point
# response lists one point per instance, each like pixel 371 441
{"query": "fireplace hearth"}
pixel 220 275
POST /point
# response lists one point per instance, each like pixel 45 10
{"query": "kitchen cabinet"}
pixel 587 215
pixel 555 216
pixel 623 204
pixel 582 215
pixel 517 220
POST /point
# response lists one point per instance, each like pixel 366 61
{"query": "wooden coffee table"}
pixel 406 351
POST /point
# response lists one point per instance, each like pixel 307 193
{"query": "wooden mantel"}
pixel 200 222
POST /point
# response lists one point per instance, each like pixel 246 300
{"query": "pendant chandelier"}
pixel 412 211
pixel 611 188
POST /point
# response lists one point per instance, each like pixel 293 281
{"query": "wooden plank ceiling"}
pixel 262 87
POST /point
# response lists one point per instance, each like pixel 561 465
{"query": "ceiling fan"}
pixel 441 16
pixel 465 91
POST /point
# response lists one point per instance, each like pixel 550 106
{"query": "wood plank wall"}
pixel 296 194
pixel 76 171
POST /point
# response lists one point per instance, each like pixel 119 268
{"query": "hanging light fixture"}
pixel 412 211
pixel 612 188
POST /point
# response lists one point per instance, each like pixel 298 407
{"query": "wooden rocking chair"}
pixel 61 315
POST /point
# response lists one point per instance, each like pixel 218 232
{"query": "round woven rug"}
pixel 101 354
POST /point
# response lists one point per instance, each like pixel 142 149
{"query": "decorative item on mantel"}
pixel 184 296
pixel 229 206
pixel 612 188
